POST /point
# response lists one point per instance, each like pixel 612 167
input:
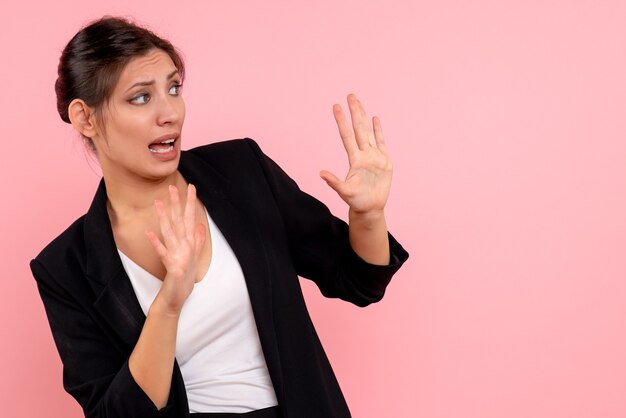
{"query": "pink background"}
pixel 506 124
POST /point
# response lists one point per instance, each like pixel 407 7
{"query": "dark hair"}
pixel 92 61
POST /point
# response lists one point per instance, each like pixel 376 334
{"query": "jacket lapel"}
pixel 115 297
pixel 234 216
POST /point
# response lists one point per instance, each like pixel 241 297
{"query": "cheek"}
pixel 127 132
pixel 135 125
pixel 181 110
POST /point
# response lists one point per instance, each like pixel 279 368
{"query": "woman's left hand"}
pixel 368 181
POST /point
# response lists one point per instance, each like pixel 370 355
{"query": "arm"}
pixel 152 361
pixel 95 368
pixel 354 263
pixel 319 242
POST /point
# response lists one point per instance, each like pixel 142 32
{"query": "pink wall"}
pixel 506 124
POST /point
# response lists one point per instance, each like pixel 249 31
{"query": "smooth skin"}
pixel 144 198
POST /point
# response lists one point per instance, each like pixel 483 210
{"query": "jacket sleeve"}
pixel 319 242
pixel 95 372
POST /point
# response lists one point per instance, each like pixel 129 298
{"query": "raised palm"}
pixel 368 181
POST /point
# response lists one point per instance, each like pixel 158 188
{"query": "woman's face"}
pixel 143 120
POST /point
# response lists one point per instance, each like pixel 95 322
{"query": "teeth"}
pixel 162 151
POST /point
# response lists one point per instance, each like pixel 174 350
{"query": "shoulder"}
pixel 67 248
pixel 70 240
pixel 237 160
pixel 228 150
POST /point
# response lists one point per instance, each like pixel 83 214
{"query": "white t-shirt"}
pixel 217 344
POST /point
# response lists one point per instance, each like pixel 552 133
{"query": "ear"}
pixel 82 118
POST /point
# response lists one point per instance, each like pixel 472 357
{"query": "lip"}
pixel 165 137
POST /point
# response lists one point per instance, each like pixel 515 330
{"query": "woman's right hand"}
pixel 183 240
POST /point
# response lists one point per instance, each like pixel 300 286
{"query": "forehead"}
pixel 154 65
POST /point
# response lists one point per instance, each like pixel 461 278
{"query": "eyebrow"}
pixel 151 82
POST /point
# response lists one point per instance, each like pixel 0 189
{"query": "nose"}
pixel 170 110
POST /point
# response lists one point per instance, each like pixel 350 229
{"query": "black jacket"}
pixel 276 231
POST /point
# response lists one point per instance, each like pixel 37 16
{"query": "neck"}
pixel 133 197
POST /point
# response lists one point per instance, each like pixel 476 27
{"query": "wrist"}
pixel 162 308
pixel 371 216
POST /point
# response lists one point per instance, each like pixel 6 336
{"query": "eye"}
pixel 175 89
pixel 142 98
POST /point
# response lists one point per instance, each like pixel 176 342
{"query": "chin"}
pixel 162 169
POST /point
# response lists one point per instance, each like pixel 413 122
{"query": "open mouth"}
pixel 163 146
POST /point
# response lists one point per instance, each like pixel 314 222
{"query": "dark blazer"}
pixel 277 233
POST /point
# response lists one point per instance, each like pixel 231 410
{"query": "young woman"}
pixel 177 293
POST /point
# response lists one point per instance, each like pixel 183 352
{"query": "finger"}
pixel 200 238
pixel 333 181
pixel 378 134
pixel 347 136
pixel 362 130
pixel 166 227
pixel 156 244
pixel 176 215
pixel 190 212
